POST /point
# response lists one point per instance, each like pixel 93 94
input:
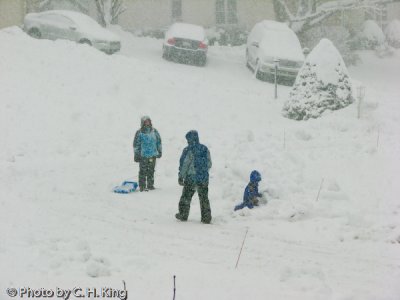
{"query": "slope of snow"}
pixel 68 116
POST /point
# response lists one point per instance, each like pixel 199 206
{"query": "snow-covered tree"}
pixel 322 84
pixel 109 10
pixel 392 33
pixel 305 14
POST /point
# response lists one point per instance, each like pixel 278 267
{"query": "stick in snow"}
pixel 174 288
pixel 284 139
pixel 377 140
pixel 320 187
pixel 237 262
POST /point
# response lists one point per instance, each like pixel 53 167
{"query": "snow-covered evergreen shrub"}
pixel 392 33
pixel 226 36
pixel 322 84
pixel 371 36
pixel 339 36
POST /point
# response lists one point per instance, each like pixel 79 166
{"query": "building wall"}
pixel 11 12
pixel 156 14
pixel 201 12
pixel 393 11
pixel 251 12
pixel 146 14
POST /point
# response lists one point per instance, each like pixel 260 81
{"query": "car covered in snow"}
pixel 186 43
pixel 73 26
pixel 270 42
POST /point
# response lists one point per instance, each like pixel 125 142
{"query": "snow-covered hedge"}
pixel 392 33
pixel 371 36
pixel 226 36
pixel 322 84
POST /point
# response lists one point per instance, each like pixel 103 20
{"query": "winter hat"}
pixel 192 137
pixel 143 119
pixel 255 176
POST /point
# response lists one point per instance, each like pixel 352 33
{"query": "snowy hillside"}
pixel 68 118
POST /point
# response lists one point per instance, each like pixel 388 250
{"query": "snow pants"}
pixel 243 205
pixel 146 172
pixel 187 193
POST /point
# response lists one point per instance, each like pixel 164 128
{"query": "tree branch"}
pixel 310 14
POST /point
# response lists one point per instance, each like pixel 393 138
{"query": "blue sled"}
pixel 126 187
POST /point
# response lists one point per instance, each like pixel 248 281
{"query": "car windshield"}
pixel 281 44
pixel 81 20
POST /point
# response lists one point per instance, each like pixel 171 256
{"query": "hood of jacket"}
pixel 143 119
pixel 255 176
pixel 192 138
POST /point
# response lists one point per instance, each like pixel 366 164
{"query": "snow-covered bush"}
pixel 371 36
pixel 392 33
pixel 226 36
pixel 339 36
pixel 322 84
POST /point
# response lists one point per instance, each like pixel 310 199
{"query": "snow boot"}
pixel 179 217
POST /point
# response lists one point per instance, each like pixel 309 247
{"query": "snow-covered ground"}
pixel 68 118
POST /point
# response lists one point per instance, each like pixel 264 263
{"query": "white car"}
pixel 186 43
pixel 73 26
pixel 270 42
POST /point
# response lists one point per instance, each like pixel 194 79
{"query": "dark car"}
pixel 186 43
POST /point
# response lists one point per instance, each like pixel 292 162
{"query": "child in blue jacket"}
pixel 251 194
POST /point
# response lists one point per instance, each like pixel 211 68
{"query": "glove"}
pixel 255 201
pixel 180 181
pixel 159 155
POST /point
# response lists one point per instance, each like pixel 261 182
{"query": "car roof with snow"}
pixel 79 18
pixel 279 41
pixel 186 31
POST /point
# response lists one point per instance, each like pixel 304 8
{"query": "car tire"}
pixel 259 74
pixel 202 61
pixel 165 55
pixel 85 41
pixel 35 33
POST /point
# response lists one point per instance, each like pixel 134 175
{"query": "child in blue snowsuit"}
pixel 251 194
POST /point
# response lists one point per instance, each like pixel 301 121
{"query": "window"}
pixel 232 12
pixel 176 10
pixel 226 11
pixel 220 11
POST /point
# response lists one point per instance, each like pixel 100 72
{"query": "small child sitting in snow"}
pixel 251 194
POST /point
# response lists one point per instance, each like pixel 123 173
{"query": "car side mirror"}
pixel 255 44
